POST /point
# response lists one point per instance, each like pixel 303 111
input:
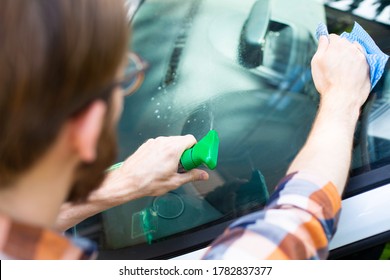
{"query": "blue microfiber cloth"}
pixel 376 59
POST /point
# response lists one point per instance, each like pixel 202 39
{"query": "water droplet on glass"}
pixel 159 88
pixel 188 121
pixel 158 116
pixel 156 112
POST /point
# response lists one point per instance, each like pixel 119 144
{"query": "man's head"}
pixel 58 64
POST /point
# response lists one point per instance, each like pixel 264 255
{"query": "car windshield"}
pixel 241 68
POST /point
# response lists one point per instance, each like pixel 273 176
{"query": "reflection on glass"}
pixel 206 74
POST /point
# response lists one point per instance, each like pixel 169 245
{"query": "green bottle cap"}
pixel 204 152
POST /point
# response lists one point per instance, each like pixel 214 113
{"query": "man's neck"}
pixel 32 200
pixel 36 196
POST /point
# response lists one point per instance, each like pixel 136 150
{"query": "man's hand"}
pixel 153 168
pixel 150 171
pixel 340 72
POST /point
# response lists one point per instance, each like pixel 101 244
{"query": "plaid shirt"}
pixel 297 223
pixel 21 241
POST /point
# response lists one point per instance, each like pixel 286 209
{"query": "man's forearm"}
pixel 72 214
pixel 327 151
pixel 114 191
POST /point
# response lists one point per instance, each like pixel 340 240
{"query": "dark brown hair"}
pixel 55 57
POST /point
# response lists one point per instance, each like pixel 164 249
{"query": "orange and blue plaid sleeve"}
pixel 298 222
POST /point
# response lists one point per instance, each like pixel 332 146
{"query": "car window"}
pixel 241 68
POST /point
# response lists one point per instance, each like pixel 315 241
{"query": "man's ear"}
pixel 86 128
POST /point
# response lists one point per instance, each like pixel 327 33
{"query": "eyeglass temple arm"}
pixel 132 7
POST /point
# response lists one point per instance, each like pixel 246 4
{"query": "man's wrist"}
pixel 335 105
